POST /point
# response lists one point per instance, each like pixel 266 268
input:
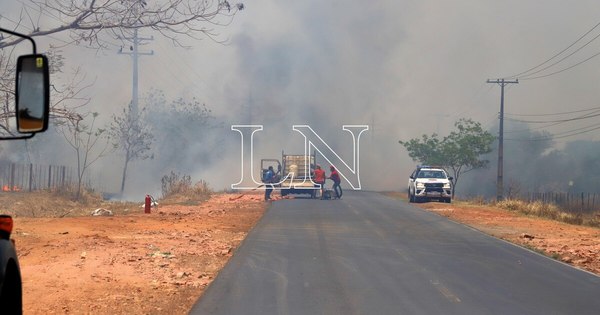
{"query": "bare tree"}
pixel 90 144
pixel 7 92
pixel 131 135
pixel 87 19
pixel 66 98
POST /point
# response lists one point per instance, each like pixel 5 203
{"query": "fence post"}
pixel 62 182
pixel 11 181
pixel 30 176
pixel 49 177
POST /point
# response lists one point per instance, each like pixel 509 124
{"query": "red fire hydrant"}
pixel 147 204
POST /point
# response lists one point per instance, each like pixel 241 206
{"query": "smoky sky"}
pixel 405 68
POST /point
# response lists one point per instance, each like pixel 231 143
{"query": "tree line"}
pixel 531 166
pixel 93 24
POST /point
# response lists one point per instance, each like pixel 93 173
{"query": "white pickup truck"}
pixel 429 183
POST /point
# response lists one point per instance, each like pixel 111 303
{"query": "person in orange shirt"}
pixel 319 178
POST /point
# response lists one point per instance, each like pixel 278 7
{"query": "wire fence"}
pixel 567 201
pixel 32 177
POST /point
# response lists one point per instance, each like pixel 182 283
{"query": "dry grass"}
pixel 178 189
pixel 550 211
pixel 536 208
pixel 59 203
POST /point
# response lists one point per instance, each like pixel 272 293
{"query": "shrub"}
pixel 550 211
pixel 175 184
pixel 511 204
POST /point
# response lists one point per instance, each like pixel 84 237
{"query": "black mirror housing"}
pixel 32 93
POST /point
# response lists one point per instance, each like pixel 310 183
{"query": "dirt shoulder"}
pixel 130 263
pixel 573 244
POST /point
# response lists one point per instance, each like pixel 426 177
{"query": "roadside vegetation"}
pixel 178 189
pixel 541 209
pixel 60 203
pixel 71 201
pixel 534 208
pixel 551 211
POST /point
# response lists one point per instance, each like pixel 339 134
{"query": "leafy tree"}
pixel 460 151
pixel 131 135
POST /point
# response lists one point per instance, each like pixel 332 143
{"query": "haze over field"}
pixel 405 68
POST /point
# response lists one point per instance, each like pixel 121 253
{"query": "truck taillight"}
pixel 6 226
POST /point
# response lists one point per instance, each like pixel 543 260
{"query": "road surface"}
pixel 371 254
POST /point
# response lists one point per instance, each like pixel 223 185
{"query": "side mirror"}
pixel 451 178
pixel 32 93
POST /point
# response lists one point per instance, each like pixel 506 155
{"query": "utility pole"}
pixel 135 53
pixel 500 180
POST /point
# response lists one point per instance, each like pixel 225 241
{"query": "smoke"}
pixel 405 68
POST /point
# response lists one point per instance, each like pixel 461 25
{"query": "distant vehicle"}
pixel 294 170
pixel 429 183
pixel 32 102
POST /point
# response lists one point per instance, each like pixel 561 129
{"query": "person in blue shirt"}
pixel 268 180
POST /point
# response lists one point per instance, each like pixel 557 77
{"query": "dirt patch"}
pixel 573 244
pixel 131 262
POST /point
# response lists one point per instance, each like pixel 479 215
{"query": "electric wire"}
pixel 561 135
pixel 566 133
pixel 590 115
pixel 528 76
pixel 554 114
pixel 551 124
pixel 562 70
pixel 533 129
pixel 556 55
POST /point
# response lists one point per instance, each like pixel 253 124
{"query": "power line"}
pixel 557 121
pixel 563 70
pixel 552 124
pixel 533 129
pixel 554 114
pixel 564 134
pixel 556 55
pixel 562 59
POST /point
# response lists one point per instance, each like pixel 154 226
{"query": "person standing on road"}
pixel 335 177
pixel 268 180
pixel 319 178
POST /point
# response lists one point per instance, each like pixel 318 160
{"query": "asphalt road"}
pixel 370 254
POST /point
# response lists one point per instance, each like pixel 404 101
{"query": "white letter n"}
pixel 350 173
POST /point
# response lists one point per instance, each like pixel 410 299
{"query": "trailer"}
pixel 294 173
